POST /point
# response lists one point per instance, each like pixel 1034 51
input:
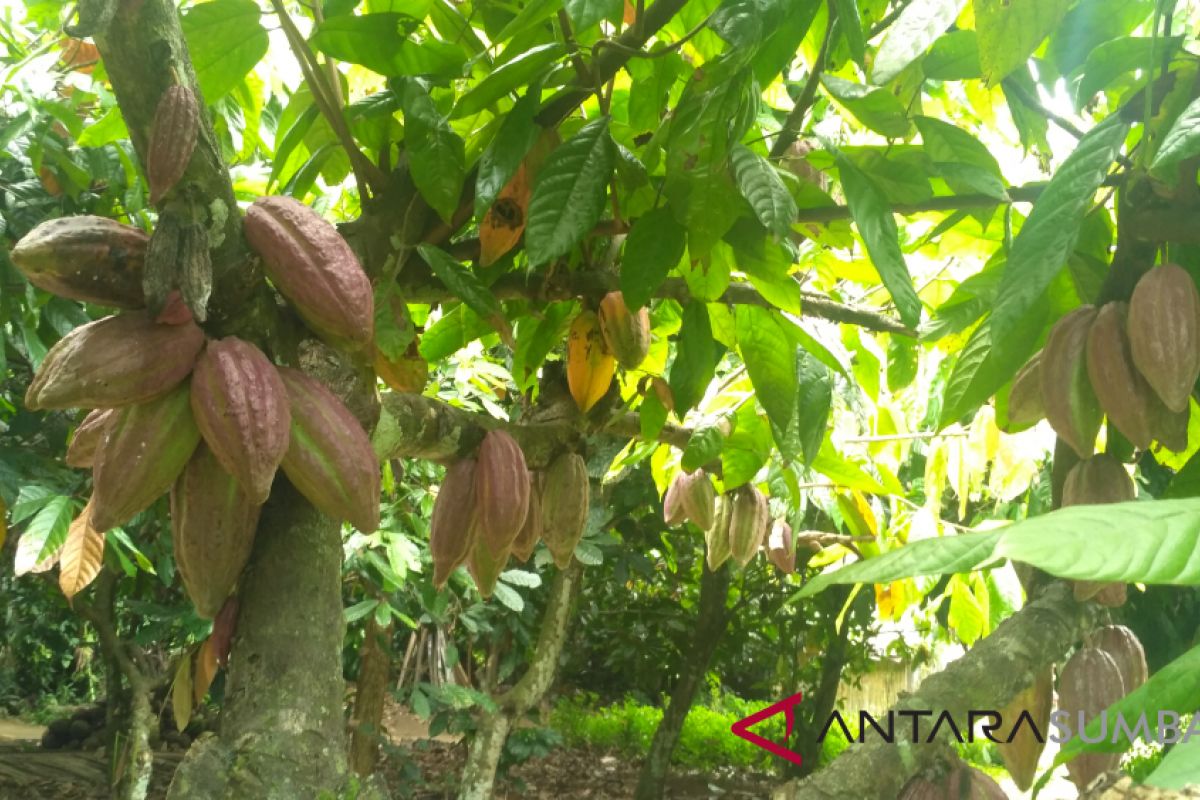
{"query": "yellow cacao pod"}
pixel 1164 332
pixel 1071 404
pixel 626 334
pixel 1020 748
pixel 590 366
pixel 565 498
pixel 501 491
pixel 452 525
pixel 1123 394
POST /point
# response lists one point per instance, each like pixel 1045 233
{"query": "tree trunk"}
pixel 711 620
pixel 372 685
pixel 822 702
pixel 282 733
pixel 483 756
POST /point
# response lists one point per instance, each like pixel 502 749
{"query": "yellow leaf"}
pixel 181 693
pixel 82 554
pixel 590 367
pixel 206 670
pixel 505 221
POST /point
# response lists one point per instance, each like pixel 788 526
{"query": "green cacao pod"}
pixel 1021 754
pixel 1071 404
pixel 1126 651
pixel 452 524
pixel 501 491
pixel 242 409
pixel 81 453
pixel 716 538
pixel 690 496
pixel 626 334
pixel 779 547
pixel 212 525
pixel 329 456
pixel 1089 683
pixel 113 362
pixel 172 140
pixel 145 449
pixel 565 498
pixel 1164 333
pixel 1123 394
pixel 531 531
pixel 484 565
pixel 747 523
pixel 1025 404
pixel 312 266
pixel 93 259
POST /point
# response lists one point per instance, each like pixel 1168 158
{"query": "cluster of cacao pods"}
pixel 734 524
pixel 491 506
pixel 597 342
pixel 960 782
pixel 1134 362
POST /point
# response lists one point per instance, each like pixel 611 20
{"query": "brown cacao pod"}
pixel 1071 404
pixel 1020 748
pixel 313 267
pixel 747 523
pixel 1025 405
pixel 531 531
pixel 86 258
pixel 1164 332
pixel 960 783
pixel 1110 595
pixel 174 310
pixel 716 538
pixel 484 565
pixel 213 522
pixel 1170 428
pixel 626 333
pixel 590 366
pixel 501 490
pixel 779 547
pixel 1098 480
pixel 565 497
pixel 241 408
pixel 1123 394
pixel 1125 649
pixel 452 524
pixel 145 448
pixel 1090 682
pixel 329 457
pixel 114 362
pixel 81 453
pixel 172 140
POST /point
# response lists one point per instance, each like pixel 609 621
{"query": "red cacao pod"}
pixel 329 456
pixel 501 490
pixel 626 333
pixel 1071 404
pixel 1020 748
pixel 313 267
pixel 1025 404
pixel 531 531
pixel 1123 394
pixel 716 538
pixel 1089 683
pixel 1126 651
pixel 172 140
pixel 86 258
pixel 213 522
pixel 241 407
pixel 779 547
pixel 453 523
pixel 145 449
pixel 747 523
pixel 1164 332
pixel 565 501
pixel 81 453
pixel 114 362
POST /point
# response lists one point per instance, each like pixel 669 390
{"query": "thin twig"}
pixel 795 120
pixel 658 52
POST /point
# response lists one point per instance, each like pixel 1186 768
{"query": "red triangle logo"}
pixel 742 727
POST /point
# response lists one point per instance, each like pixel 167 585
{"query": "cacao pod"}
pixel 590 366
pixel 960 783
pixel 313 267
pixel 1170 428
pixel 1123 394
pixel 501 490
pixel 82 451
pixel 241 408
pixel 779 547
pixel 1019 746
pixel 145 448
pixel 663 390
pixel 504 222
pixel 1071 404
pixel 1025 405
pixel 1090 682
pixel 673 510
pixel 172 140
pixel 716 538
pixel 86 258
pixel 213 521
pixel 452 525
pixel 565 498
pixel 1098 480
pixel 690 497
pixel 1110 595
pixel 626 334
pixel 747 523
pixel 174 310
pixel 1125 649
pixel 1164 333
pixel 113 362
pixel 329 456
pixel 484 565
pixel 224 626
pixel 531 531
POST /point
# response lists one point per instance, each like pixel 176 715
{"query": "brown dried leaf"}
pixel 205 670
pixel 82 554
pixel 181 693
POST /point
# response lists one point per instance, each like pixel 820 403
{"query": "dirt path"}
pixel 13 730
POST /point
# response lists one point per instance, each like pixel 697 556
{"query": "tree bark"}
pixel 374 663
pixel 711 619
pixel 487 744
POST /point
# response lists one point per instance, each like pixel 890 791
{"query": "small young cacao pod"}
pixel 716 538
pixel 1089 683
pixel 779 547
pixel 1123 394
pixel 565 498
pixel 1071 404
pixel 1019 747
pixel 452 524
pixel 590 366
pixel 501 490
pixel 1125 649
pixel 88 258
pixel 1025 404
pixel 81 453
pixel 626 334
pixel 747 523
pixel 172 140
pixel 1164 332
pixel 531 531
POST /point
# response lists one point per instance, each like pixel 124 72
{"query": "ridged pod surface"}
pixel 1089 683
pixel 88 258
pixel 1126 650
pixel 1123 394
pixel 673 510
pixel 501 490
pixel 626 334
pixel 81 453
pixel 531 531
pixel 1025 404
pixel 212 526
pixel 590 367
pixel 172 139
pixel 1164 332
pixel 452 524
pixel 779 547
pixel 690 496
pixel 1170 428
pixel 145 449
pixel 313 267
pixel 1071 404
pixel 1098 480
pixel 484 565
pixel 113 362
pixel 1022 753
pixel 329 457
pixel 747 523
pixel 960 783
pixel 565 499
pixel 242 409
pixel 716 538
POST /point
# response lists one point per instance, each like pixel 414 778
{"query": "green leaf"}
pixel 465 285
pixel 702 448
pixel 779 49
pixel 435 152
pixel 537 337
pixel 359 610
pixel 1047 238
pixel 655 245
pixel 1181 142
pixel 510 75
pixel 954 57
pixel 1090 23
pixel 850 25
pixel 568 197
pixel 106 130
pixel 920 23
pixel 805 431
pixel 44 534
pixel 877 226
pixel 225 39
pixel 457 328
pixel 770 361
pixel 380 42
pixel 846 473
pixel 586 13
pixel 696 358
pixel 877 108
pixel 290 140
pixel 707 276
pixel 531 14
pixel 517 134
pixel 509 597
pixel 1113 59
pixel 952 149
pixel 1010 30
pixel 1179 768
pixel 761 185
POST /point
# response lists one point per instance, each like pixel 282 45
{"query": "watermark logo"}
pixel 742 728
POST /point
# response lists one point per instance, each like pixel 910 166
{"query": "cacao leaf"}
pixel 435 152
pixel 82 555
pixel 850 26
pixel 655 244
pixel 225 39
pixel 466 286
pixel 512 74
pixel 1181 142
pixel 501 229
pixel 380 42
pixel 204 670
pixel 696 357
pixel 770 361
pixel 1011 30
pixel 569 193
pixel 508 148
pixel 919 24
pixel 761 185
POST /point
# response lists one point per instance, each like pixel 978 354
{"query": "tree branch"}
pixel 795 120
